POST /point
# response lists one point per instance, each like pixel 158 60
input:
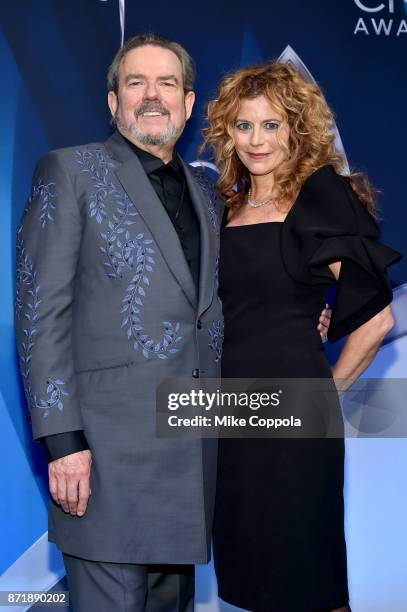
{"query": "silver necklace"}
pixel 255 204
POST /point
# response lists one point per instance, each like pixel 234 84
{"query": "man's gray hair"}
pixel 141 40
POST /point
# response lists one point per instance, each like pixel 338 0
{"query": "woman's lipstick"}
pixel 258 155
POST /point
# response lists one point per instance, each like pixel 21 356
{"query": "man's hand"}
pixel 69 481
pixel 324 321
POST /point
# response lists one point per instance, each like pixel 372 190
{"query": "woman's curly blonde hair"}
pixel 311 140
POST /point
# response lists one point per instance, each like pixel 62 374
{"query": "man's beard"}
pixel 170 134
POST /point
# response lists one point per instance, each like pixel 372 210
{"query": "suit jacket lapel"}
pixel 137 186
pixel 208 241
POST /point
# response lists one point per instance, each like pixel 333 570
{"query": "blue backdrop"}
pixel 53 60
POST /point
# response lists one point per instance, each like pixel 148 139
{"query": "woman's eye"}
pixel 243 127
pixel 271 125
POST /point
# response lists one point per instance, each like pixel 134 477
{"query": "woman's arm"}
pixel 361 345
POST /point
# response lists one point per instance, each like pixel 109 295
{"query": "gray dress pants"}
pixel 128 587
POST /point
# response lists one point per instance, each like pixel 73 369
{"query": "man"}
pixel 117 268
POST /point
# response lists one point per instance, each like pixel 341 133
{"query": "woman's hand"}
pixel 324 321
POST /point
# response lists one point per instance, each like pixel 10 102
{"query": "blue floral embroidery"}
pixel 124 252
pixel 26 278
pixel 118 251
pixel 216 335
pixel 29 310
pixel 55 393
pixel 132 303
pixel 47 195
pixel 209 189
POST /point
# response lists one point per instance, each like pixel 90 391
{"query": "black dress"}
pixel 279 541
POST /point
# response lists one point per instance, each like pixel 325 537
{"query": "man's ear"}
pixel 113 102
pixel 189 103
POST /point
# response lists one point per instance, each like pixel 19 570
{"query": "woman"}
pixel 294 226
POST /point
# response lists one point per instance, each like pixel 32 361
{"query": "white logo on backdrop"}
pixel 121 17
pixel 375 9
pixel 383 26
pixel 289 56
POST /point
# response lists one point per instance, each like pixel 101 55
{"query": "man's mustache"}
pixel 150 107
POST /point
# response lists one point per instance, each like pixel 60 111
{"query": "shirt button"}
pixel 199 324
pixel 195 373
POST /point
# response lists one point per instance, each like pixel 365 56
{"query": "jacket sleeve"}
pixel 48 245
pixel 328 223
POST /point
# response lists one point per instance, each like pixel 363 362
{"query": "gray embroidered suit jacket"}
pixel 106 307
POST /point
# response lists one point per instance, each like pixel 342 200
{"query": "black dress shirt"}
pixel 169 183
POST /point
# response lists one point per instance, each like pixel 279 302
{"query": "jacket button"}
pixel 195 373
pixel 199 324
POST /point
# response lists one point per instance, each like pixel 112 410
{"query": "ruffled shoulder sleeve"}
pixel 328 223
